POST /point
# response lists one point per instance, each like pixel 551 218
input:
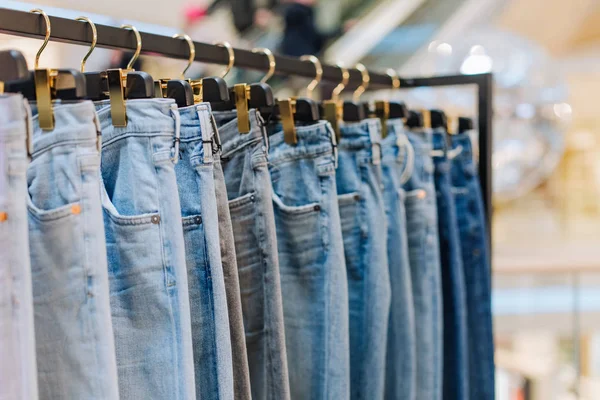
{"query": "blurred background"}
pixel 545 55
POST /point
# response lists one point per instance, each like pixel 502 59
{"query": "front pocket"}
pixel 116 217
pixel 299 237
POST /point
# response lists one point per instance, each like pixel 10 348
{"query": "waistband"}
pixel 439 142
pixel 421 141
pixel 361 134
pixel 230 136
pixel 73 122
pixel 15 117
pixel 317 133
pixel 462 147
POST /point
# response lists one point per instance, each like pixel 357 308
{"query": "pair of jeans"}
pixel 208 302
pixel 424 256
pixel 74 332
pixel 456 372
pixel 146 258
pixel 311 255
pixel 397 162
pixel 475 251
pixel 18 370
pixel 244 161
pixel 364 231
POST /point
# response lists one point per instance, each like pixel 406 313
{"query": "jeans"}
pixel 74 333
pixel 18 370
pixel 364 231
pixel 244 160
pixel 311 254
pixel 146 257
pixel 208 302
pixel 456 373
pixel 397 163
pixel 477 271
pixel 424 255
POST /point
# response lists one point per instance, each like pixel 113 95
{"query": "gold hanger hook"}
pixel 46 39
pixel 271 58
pixel 231 60
pixel 94 40
pixel 395 80
pixel 318 74
pixel 138 44
pixel 342 85
pixel 365 82
pixel 192 57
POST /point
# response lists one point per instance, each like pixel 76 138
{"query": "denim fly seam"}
pixel 18 369
pixel 241 371
pixel 456 373
pixel 74 333
pixel 244 161
pixel 364 230
pixel 397 163
pixel 424 256
pixel 311 254
pixel 477 270
pixel 208 302
pixel 146 256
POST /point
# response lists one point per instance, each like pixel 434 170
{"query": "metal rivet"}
pixel 421 194
pixel 252 198
pixel 317 207
pixel 3 216
pixel 357 197
pixel 198 220
pixel 76 209
pixel 155 219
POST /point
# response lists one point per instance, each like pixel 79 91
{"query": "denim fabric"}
pixel 311 253
pixel 146 257
pixel 456 372
pixel 18 370
pixel 400 372
pixel 74 334
pixel 477 270
pixel 208 302
pixel 244 160
pixel 241 371
pixel 364 230
pixel 424 255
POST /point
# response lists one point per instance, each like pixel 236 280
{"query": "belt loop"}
pixel 98 132
pixel 375 138
pixel 203 110
pixel 334 144
pixel 29 129
pixel 410 159
pixel 263 127
pixel 176 138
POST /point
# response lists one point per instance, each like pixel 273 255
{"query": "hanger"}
pixel 352 110
pixel 259 96
pixel 43 85
pixel 332 108
pixel 465 124
pixel 178 89
pixel 397 108
pixel 214 89
pixel 415 119
pixel 14 67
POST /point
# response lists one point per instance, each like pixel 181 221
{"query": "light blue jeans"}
pixel 475 251
pixel 146 256
pixel 424 255
pixel 244 161
pixel 74 334
pixel 311 254
pixel 397 163
pixel 364 230
pixel 18 369
pixel 210 323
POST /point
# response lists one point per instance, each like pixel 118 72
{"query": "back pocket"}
pixel 299 237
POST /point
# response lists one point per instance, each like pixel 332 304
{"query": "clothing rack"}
pixel 22 23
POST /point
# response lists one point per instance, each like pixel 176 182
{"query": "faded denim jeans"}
pixel 364 230
pixel 397 164
pixel 456 366
pixel 244 161
pixel 18 369
pixel 477 270
pixel 146 256
pixel 424 256
pixel 311 255
pixel 74 332
pixel 208 302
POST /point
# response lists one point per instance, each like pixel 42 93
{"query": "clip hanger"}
pixel 178 89
pixel 318 74
pixel 271 58
pixel 42 81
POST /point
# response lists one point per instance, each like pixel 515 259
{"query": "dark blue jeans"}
pixel 456 376
pixel 477 270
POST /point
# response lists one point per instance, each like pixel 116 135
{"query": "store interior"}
pixel 546 175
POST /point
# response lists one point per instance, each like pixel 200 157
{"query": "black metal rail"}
pixel 27 24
